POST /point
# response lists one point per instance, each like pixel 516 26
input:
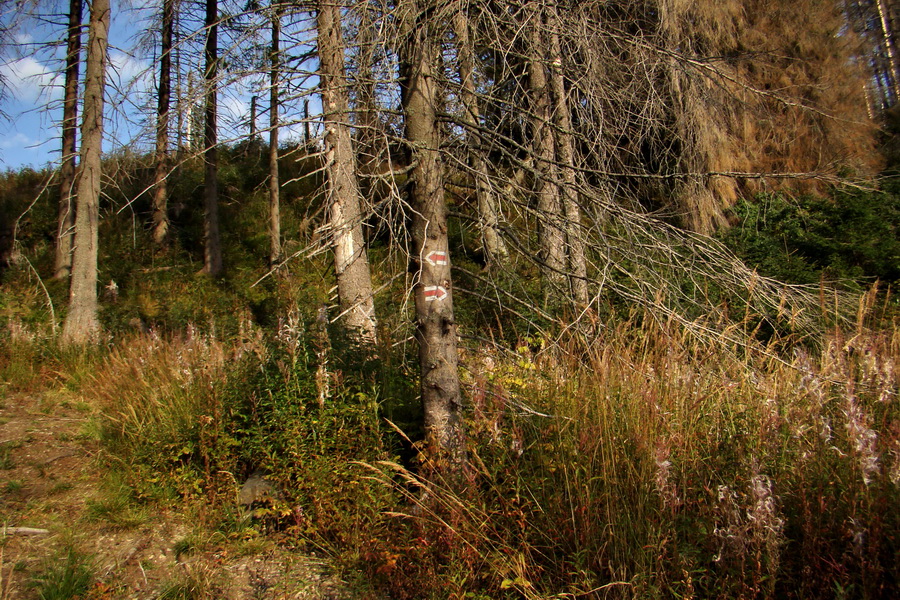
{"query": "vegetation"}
pixel 851 238
pixel 473 340
pixel 647 463
pixel 64 577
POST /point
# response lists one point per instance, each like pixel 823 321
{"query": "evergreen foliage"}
pixel 850 238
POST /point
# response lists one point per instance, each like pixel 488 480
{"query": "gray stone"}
pixel 257 489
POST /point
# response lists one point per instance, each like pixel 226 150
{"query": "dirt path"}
pixel 50 480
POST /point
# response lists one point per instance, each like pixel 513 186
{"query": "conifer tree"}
pixel 82 324
pixel 66 222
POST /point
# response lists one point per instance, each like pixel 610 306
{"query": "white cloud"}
pixel 29 80
pixel 235 109
pixel 128 72
pixel 19 140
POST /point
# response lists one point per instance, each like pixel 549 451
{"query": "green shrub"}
pixel 852 237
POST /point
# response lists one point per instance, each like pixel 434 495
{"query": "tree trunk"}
pixel 491 241
pixel 212 255
pixel 64 233
pixel 565 153
pixel 350 261
pixel 160 193
pixel 890 46
pixel 552 238
pixel 274 183
pixel 367 123
pixel 435 324
pixel 81 324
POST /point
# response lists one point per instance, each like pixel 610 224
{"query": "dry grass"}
pixel 660 465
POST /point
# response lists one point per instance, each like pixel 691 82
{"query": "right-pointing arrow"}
pixel 434 292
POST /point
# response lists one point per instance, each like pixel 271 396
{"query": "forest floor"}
pixel 51 479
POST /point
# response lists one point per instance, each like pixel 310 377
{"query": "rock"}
pixel 257 489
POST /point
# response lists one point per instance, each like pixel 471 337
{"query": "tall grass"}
pixel 655 465
pixel 160 406
pixel 190 417
pixel 649 465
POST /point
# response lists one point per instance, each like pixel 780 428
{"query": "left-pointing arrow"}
pixel 436 257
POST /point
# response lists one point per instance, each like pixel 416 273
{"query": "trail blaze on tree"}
pixel 435 323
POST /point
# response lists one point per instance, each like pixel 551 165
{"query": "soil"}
pixel 51 479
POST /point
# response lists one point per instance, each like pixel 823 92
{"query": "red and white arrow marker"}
pixel 434 292
pixel 436 257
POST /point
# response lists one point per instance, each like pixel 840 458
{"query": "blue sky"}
pixel 32 103
pixel 29 132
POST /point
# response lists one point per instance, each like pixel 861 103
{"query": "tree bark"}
pixel 212 255
pixel 491 240
pixel 435 323
pixel 66 222
pixel 890 46
pixel 81 325
pixel 274 183
pixel 367 122
pixel 350 261
pixel 160 193
pixel 550 231
pixel 565 153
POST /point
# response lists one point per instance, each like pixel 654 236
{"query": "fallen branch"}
pixel 24 531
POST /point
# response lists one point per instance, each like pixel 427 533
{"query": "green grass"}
pixel 116 506
pixel 6 459
pixel 64 578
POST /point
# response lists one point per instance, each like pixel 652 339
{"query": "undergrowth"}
pixel 649 465
pixel 657 466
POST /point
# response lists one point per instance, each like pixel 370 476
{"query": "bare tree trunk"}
pixel 160 194
pixel 552 237
pixel 565 153
pixel 179 108
pixel 274 183
pixel 367 125
pixel 435 323
pixel 307 135
pixel 890 46
pixel 81 324
pixel 212 255
pixel 351 264
pixel 491 241
pixel 64 233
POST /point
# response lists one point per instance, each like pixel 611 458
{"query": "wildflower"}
pixel 664 484
pixel 862 438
